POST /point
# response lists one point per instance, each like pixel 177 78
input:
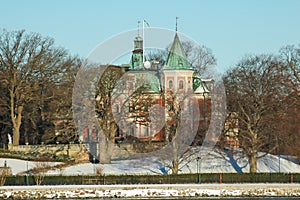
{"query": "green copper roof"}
pixel 177 59
pixel 149 81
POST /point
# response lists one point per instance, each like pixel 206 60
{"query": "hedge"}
pixel 159 179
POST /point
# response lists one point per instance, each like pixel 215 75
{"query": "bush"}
pixel 4 172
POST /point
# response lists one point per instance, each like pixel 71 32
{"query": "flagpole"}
pixel 143 41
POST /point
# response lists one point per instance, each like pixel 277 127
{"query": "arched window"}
pixel 170 84
pixel 180 84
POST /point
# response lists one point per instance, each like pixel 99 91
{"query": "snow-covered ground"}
pixel 150 191
pixel 212 162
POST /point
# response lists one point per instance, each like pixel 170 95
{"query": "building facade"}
pixel 149 96
pixel 150 90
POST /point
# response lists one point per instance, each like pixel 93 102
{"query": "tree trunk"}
pixel 16 136
pixel 175 161
pixel 107 142
pixel 104 146
pixel 18 123
pixel 175 166
pixel 16 119
pixel 253 163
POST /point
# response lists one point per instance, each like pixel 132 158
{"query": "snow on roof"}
pixel 202 89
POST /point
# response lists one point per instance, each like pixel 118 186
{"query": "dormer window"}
pixel 180 63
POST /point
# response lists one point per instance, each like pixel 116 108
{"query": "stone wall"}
pixel 71 150
pixel 81 151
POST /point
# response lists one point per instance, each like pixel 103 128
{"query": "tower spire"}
pixel 176 23
pixel 177 58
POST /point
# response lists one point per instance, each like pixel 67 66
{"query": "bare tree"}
pixel 5 123
pixel 56 118
pixel 200 57
pixel 4 172
pixel 108 125
pixel 255 92
pixel 290 55
pixel 179 131
pixel 29 63
pixel 289 114
pixel 3 175
pixel 40 170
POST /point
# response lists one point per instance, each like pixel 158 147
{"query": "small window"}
pixel 180 63
pixel 131 130
pixel 145 131
pixel 170 84
pixel 180 84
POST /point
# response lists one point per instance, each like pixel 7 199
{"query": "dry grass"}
pixel 4 172
pixel 99 170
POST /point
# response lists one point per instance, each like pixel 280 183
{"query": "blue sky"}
pixel 230 28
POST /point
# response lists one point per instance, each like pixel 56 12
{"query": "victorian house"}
pixel 143 101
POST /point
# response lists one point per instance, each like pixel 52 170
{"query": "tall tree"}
pixel 56 118
pixel 30 63
pixel 255 90
pixel 289 116
pixel 109 127
pixel 200 57
pixel 5 124
pixel 290 55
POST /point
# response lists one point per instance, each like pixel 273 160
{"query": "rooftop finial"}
pixel 139 22
pixel 176 22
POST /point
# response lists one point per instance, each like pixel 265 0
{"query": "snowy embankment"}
pixel 138 191
pixel 209 164
pixel 213 162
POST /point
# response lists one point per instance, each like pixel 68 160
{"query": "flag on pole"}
pixel 146 23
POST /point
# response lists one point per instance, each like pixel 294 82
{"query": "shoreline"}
pixel 153 191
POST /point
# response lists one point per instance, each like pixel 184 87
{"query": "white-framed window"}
pixel 145 131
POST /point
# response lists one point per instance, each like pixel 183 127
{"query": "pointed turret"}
pixel 177 58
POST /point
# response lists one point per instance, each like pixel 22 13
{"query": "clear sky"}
pixel 230 28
